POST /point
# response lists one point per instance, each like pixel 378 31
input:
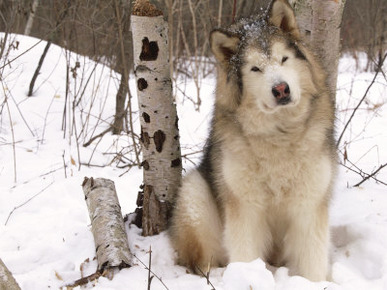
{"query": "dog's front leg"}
pixel 246 233
pixel 307 241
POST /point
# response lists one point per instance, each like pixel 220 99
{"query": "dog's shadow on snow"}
pixel 354 254
pixel 341 236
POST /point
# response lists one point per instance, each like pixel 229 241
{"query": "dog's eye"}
pixel 255 68
pixel 285 58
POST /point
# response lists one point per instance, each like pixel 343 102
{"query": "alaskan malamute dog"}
pixel 264 185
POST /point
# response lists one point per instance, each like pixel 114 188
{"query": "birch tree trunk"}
pixel 159 123
pixel 107 224
pixel 320 22
pixel 31 17
pixel 7 281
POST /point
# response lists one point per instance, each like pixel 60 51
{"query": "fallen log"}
pixel 7 281
pixel 107 224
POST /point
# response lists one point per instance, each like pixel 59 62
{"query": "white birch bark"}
pixel 31 17
pixel 169 4
pixel 107 224
pixel 7 281
pixel 159 122
pixel 320 22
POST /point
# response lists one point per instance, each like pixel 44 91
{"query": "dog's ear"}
pixel 223 45
pixel 281 14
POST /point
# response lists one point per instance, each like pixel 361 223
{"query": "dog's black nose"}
pixel 281 92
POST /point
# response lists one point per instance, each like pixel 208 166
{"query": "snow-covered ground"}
pixel 45 236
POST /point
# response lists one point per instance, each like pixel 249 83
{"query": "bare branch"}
pixel 27 201
pixel 150 271
pixel 360 102
pixel 372 175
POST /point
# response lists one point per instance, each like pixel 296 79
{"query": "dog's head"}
pixel 262 57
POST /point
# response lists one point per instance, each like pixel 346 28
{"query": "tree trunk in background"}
pixel 30 21
pixel 123 89
pixel 37 71
pixel 60 19
pixel 320 22
pixel 7 281
pixel 159 123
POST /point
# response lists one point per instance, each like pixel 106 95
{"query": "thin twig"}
pixel 207 276
pixel 234 11
pixel 361 172
pixel 97 136
pixel 93 165
pixel 12 132
pixel 20 55
pixel 84 280
pixel 21 114
pixel 94 149
pixel 76 137
pixel 147 268
pixel 87 82
pixel 371 175
pixel 108 273
pixel 27 201
pixel 45 119
pixel 9 143
pixel 360 102
pixel 64 164
pixel 36 177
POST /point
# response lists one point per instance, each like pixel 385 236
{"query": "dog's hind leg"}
pixel 196 228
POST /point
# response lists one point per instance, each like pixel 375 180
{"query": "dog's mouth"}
pixel 284 101
pixel 274 105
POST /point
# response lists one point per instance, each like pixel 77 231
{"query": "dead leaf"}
pixel 59 277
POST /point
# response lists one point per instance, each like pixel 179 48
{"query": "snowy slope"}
pixel 45 236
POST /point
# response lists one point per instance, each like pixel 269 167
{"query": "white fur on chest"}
pixel 268 174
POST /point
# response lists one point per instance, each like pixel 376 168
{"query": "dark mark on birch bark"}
pixel 145 139
pixel 145 165
pixel 176 162
pixel 159 138
pixel 149 50
pixel 142 84
pixel 146 117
